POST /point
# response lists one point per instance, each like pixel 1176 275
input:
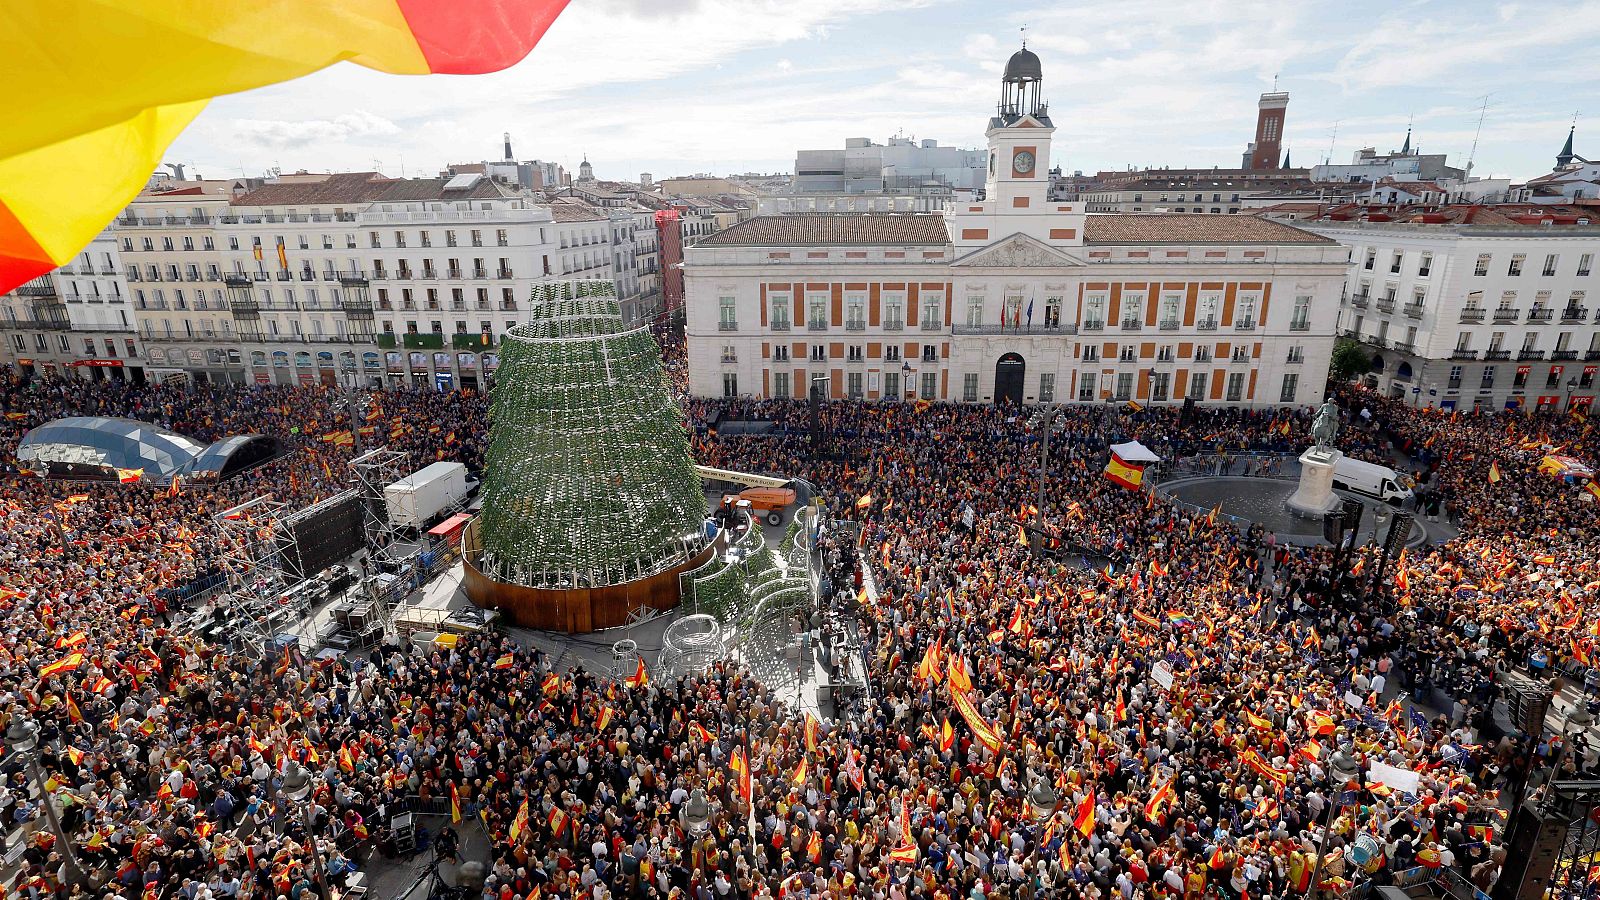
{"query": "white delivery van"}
pixel 1371 479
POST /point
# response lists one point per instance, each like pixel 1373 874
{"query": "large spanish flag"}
pixel 1128 475
pixel 100 88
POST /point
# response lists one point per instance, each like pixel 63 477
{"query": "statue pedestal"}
pixel 1315 495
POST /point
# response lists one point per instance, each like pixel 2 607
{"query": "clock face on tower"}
pixel 1022 162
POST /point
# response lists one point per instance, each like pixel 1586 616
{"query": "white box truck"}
pixel 418 498
pixel 1371 479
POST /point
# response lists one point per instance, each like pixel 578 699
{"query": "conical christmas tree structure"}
pixel 589 481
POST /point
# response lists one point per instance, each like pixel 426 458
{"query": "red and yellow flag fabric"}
pixel 1125 474
pixel 95 140
pixel 455 805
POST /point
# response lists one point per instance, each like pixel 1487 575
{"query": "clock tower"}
pixel 1019 139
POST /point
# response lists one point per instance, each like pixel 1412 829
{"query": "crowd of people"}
pixel 1163 722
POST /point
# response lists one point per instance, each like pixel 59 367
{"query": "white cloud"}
pixel 282 134
pixel 728 85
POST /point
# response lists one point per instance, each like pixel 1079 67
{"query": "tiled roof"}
pixel 365 187
pixel 569 211
pixel 1178 228
pixel 829 229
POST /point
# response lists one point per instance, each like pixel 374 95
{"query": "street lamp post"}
pixel 1572 385
pixel 1042 799
pixel 1048 425
pixel 1341 768
pixel 22 737
pixel 297 788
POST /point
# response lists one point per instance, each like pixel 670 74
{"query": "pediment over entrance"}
pixel 1019 251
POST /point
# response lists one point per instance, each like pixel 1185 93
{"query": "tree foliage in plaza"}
pixel 1350 359
pixel 589 479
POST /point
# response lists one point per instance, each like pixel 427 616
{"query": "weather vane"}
pixel 1024 37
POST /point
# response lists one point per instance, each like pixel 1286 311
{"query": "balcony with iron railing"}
pixel 1492 355
pixel 1539 314
pixel 1132 324
pixel 1556 355
pixel 1169 325
pixel 1505 314
pixel 1528 353
pixel 480 341
pixel 1385 305
pixel 1244 325
pixel 1413 310
pixel 855 325
pixel 894 324
pixel 1574 314
pixel 1045 330
pixel 1093 325
pixel 1299 324
pixel 1471 315
pixel 727 326
pixel 1206 325
pixel 931 325
pixel 1360 301
pixel 1591 355
pixel 1463 353
pixel 1405 346
pixel 779 325
pixel 503 273
pixel 356 308
pixel 817 325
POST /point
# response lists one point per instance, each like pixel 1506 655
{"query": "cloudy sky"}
pixel 685 86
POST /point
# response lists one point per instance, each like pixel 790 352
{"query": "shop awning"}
pixel 1134 452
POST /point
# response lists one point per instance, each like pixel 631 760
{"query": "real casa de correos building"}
pixel 1014 298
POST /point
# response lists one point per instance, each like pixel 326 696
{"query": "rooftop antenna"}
pixel 1274 82
pixel 1483 110
pixel 1334 137
pixel 1024 37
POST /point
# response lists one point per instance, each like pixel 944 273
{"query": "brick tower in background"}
pixel 1267 150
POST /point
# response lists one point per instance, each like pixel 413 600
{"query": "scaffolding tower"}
pixel 255 538
pixel 375 470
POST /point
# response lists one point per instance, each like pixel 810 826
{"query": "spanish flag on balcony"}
pixel 1128 475
pixel 82 144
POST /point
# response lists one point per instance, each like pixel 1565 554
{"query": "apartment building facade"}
pixel 1462 316
pixel 76 320
pixel 1014 299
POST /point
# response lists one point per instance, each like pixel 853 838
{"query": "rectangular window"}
pixel 853 353
pixel 974 311
pixel 1124 385
pixel 780 385
pixel 1455 377
pixel 855 312
pixel 1584 263
pixel 1372 257
pixel 1300 319
pixel 1086 387
pixel 780 312
pixel 891 353
pixel 1521 378
pixel 730 384
pixel 1425 265
pixel 1052 312
pixel 1235 387
pixel 780 353
pixel 891 385
pixel 1515 266
pixel 1169 310
pixel 1160 383
pixel 1394 262
pixel 730 353
pixel 1291 383
pixel 819 353
pixel 817 312
pixel 894 311
pixel 1554 378
pixel 1094 312
pixel 930 353
pixel 1297 354
pixel 1550 260
pixel 1488 378
pixel 931 318
pixel 969 387
pixel 930 385
pixel 1132 311
pixel 1047 387
pixel 852 385
pixel 726 311
pixel 1481 267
